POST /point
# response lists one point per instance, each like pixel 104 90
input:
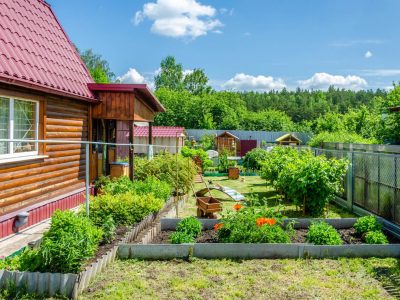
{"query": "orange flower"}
pixel 218 226
pixel 237 206
pixel 262 221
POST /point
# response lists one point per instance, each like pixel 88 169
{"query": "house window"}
pixel 18 120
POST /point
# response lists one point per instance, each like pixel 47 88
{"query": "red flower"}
pixel 237 206
pixel 218 226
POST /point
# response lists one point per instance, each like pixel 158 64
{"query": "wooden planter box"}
pixel 233 173
pixel 207 206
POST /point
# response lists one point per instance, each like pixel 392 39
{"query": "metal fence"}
pixel 372 182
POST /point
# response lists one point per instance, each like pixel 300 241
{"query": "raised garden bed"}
pixel 207 245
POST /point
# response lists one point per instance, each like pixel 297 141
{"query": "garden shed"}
pixel 228 142
pixel 288 139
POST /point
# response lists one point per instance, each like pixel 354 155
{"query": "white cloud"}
pixel 322 81
pixel 179 18
pixel 244 82
pixel 132 76
pixel 381 72
pixel 368 54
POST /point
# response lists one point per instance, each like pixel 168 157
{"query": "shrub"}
pixel 199 153
pixel 190 225
pixel 338 137
pixel 109 230
pixel 376 237
pixel 275 161
pixel 254 158
pixel 152 185
pixel 311 181
pixel 321 233
pixel 165 167
pixel 70 240
pixel 366 224
pixel 125 209
pixel 179 237
pixel 117 186
pixel 247 226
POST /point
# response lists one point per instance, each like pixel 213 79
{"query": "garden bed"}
pixel 207 245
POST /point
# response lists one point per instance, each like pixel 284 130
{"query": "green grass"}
pixel 254 185
pixel 247 279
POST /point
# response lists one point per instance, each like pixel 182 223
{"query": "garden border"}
pixel 71 285
pixel 254 251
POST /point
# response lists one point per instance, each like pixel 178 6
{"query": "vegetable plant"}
pixel 321 233
pixel 376 237
pixel 109 230
pixel 152 185
pixel 190 225
pixel 366 224
pixel 181 237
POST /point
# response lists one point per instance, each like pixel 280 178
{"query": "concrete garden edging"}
pixel 71 285
pixel 255 251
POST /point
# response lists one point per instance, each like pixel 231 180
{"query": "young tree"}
pixel 98 67
pixel 196 82
pixel 170 75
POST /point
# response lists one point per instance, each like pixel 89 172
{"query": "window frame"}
pixel 11 153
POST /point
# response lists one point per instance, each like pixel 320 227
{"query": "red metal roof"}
pixel 150 98
pixel 159 131
pixel 35 52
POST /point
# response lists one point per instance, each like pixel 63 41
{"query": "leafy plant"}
pixel 152 185
pixel 376 237
pixel 118 185
pixel 180 237
pixel 109 230
pixel 252 225
pixel 198 153
pixel 125 209
pixel 176 170
pixel 190 225
pixel 254 159
pixel 321 233
pixel 311 181
pixel 366 224
pixel 70 240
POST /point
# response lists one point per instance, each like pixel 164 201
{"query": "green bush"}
pixel 253 159
pixel 70 240
pixel 190 225
pixel 376 237
pixel 125 209
pixel 243 226
pixel 152 185
pixel 311 181
pixel 338 137
pixel 199 153
pixel 176 170
pixel 366 224
pixel 120 185
pixel 179 237
pixel 321 233
pixel 275 161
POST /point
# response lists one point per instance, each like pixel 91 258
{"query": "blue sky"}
pixel 244 44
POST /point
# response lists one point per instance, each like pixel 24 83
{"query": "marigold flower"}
pixel 218 226
pixel 262 221
pixel 237 206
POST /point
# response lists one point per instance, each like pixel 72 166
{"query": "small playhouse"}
pixel 288 140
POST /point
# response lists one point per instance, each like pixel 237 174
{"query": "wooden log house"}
pixel 46 93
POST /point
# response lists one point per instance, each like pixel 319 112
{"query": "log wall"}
pixel 62 170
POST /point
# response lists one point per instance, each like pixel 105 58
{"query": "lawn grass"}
pixel 246 279
pixel 255 186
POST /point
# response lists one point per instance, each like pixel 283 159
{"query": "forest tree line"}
pixel 334 115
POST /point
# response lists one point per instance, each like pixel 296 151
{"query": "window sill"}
pixel 11 160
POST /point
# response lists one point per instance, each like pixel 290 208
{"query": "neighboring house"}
pixel 245 140
pixel 165 138
pixel 47 93
pixel 288 140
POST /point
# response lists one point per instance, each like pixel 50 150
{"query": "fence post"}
pixel 350 181
pixel 87 152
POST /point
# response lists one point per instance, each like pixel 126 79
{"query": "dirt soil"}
pixel 348 235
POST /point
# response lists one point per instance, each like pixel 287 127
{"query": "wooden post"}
pixel 131 151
